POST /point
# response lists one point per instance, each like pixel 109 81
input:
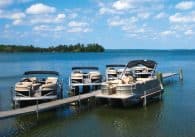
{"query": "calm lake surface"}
pixel 174 116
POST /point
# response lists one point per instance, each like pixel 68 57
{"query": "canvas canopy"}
pixel 115 65
pixel 76 68
pixel 147 63
pixel 41 72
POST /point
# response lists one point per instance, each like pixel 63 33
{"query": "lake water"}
pixel 174 116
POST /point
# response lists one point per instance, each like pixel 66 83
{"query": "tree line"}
pixel 92 47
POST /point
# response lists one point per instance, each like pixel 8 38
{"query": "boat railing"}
pixel 155 89
pixel 125 88
pixel 19 94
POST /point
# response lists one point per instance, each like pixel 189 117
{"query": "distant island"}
pixel 92 47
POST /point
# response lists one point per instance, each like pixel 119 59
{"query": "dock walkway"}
pixel 46 106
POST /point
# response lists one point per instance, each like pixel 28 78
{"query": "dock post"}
pixel 61 90
pixel 160 95
pixel 160 78
pixel 79 99
pixel 145 99
pixel 180 74
pixel 11 91
pixel 37 109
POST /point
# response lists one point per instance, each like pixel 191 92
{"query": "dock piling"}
pixel 180 74
pixel 11 92
pixel 37 109
pixel 160 95
pixel 79 99
pixel 160 77
pixel 145 99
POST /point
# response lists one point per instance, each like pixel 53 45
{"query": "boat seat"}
pixel 50 84
pixel 77 77
pixel 23 86
pixel 94 76
pixel 29 79
pixel 117 81
pixel 112 71
pixel 127 80
pixel 33 79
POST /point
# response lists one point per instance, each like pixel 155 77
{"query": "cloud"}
pixel 107 9
pixel 79 29
pixel 17 17
pixel 121 5
pixel 131 26
pixel 77 24
pixel 104 10
pixel 189 33
pixel 167 33
pixel 185 5
pixel 17 22
pixel 47 19
pixel 4 3
pixel 60 17
pixel 24 1
pixel 183 18
pixel 72 15
pixel 48 28
pixel 12 15
pixel 40 8
pixel 128 6
pixel 143 15
pixel 118 21
pixel 160 15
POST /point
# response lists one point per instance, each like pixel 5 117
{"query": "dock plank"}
pixel 46 106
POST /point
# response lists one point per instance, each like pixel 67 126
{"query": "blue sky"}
pixel 115 24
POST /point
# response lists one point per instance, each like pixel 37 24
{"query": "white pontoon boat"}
pixel 37 86
pixel 83 78
pixel 140 81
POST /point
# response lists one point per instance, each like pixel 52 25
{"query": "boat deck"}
pixel 113 96
pixel 123 96
pixel 85 84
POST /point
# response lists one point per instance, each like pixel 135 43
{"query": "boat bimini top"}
pixel 41 72
pixel 141 68
pixel 147 63
pixel 85 68
pixel 115 65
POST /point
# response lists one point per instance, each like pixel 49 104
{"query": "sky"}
pixel 115 24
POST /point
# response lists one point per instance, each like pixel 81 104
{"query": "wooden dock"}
pixel 59 102
pixel 46 106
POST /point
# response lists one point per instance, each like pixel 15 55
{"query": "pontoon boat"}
pixel 140 81
pixel 83 78
pixel 37 86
